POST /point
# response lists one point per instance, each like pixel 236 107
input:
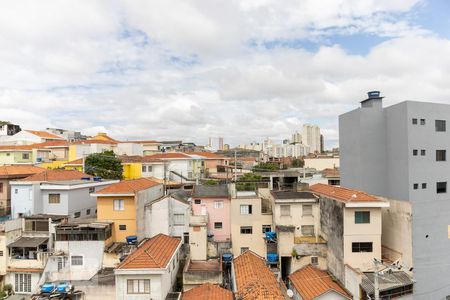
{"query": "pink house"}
pixel 214 201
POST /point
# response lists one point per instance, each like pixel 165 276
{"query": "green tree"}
pixel 297 163
pixel 210 182
pixel 106 165
pixel 261 167
pixel 248 182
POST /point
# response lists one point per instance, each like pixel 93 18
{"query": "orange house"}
pixel 124 203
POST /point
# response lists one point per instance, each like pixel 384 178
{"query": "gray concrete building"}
pixel 399 152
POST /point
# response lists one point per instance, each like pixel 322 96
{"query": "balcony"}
pixel 38 262
pixel 28 253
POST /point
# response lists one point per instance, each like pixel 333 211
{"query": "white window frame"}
pixel 245 209
pixel 285 212
pixel 138 286
pixel 119 204
pixel 218 204
pixel 307 212
pixel 77 259
pixel 178 219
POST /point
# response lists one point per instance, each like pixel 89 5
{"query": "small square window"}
pixel 440 125
pixel 441 187
pixel 422 152
pixel 424 186
pixel 88 211
pixel 415 186
pixel 218 225
pixel 198 201
pixel 414 121
pixel 246 229
pixel 314 260
pixel 422 121
pixel 266 228
pixel 77 214
pixel 122 227
pixel 243 249
pixel 415 152
pixel 440 155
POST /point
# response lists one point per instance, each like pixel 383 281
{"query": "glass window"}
pixel 76 260
pixel 415 186
pixel 266 228
pixel 424 185
pixel 119 204
pixel 422 152
pixel 197 201
pixel 422 121
pixel 441 155
pixel 54 198
pixel 138 286
pixel 440 125
pixel 246 229
pixel 246 209
pixel 178 219
pixel 362 217
pixel 25 156
pixel 144 169
pixel 91 190
pixel 307 209
pixel 122 227
pixel 415 152
pixel 441 187
pixel 314 260
pixel 88 211
pixel 414 121
pixel 217 225
pixel 77 214
pixel 285 210
pixel 308 230
pixel 243 249
pixel 362 247
pixel 218 204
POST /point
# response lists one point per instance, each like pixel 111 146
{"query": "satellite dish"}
pixel 290 293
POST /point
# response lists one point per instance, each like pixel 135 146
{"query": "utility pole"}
pixel 375 281
pixel 235 166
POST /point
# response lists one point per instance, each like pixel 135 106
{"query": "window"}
pixel 415 186
pixel 218 204
pixel 422 152
pixel 414 121
pixel 149 169
pixel 77 214
pixel 424 185
pixel 362 217
pixel 218 225
pixel 440 155
pixel 138 286
pixel 285 210
pixel 307 209
pixel 441 187
pixel 88 211
pixel 246 209
pixel 422 121
pixel 1 253
pixel 22 283
pixel 243 249
pixel 144 169
pixel 53 198
pixel 119 204
pixel 308 230
pixel 1 187
pixel 415 151
pixel 246 229
pixel 440 125
pixel 8 154
pixel 362 247
pixel 122 227
pixel 266 228
pixel 16 191
pixel 178 219
pixel 25 156
pixel 91 190
pixel 198 201
pixel 76 260
pixel 314 260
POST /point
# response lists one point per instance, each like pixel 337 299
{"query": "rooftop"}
pixel 310 283
pixel 386 282
pixel 44 134
pixel 128 186
pixel 210 191
pixel 343 194
pixel 56 175
pixel 207 265
pixel 293 195
pixel 15 171
pixel 209 155
pixel 208 291
pixel 154 253
pixel 254 281
pixel 169 155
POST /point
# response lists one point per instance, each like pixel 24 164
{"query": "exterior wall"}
pixel 10 278
pixel 296 218
pixel 322 163
pixel 16 157
pixel 25 200
pixel 144 198
pixel 353 280
pixel 5 194
pixel 3 257
pixel 215 215
pixel 257 219
pixel 129 149
pixel 159 217
pixel 132 170
pixel 157 171
pixel 55 164
pixel 198 241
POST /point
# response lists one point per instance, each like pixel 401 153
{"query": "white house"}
pixel 27 137
pixel 150 271
pixel 174 166
pixel 168 215
pixel 55 192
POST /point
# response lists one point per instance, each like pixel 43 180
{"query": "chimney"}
pixel 374 100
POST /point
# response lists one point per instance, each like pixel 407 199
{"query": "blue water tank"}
pixel 97 178
pixel 271 235
pixel 373 94
pixel 131 239
pixel 227 257
pixel 47 287
pixel 272 257
pixel 86 178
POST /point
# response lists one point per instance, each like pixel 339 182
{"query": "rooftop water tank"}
pixel 227 257
pixel 131 239
pixel 272 257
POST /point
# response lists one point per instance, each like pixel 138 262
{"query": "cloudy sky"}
pixel 244 70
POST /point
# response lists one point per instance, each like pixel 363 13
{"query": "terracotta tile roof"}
pixel 88 142
pixel 76 162
pixel 142 142
pixel 169 155
pixel 19 171
pixel 208 291
pixel 50 144
pixel 56 175
pixel 25 270
pixel 128 186
pixel 44 134
pixel 342 194
pixel 254 280
pixel 16 147
pixel 208 154
pixel 154 253
pixel 311 282
pixel 331 173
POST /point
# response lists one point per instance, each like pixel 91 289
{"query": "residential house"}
pixel 169 215
pixel 150 271
pixel 212 161
pixel 296 222
pixel 174 166
pixel 123 203
pixel 59 192
pixel 16 154
pixel 83 148
pixel 214 201
pixel 102 136
pixel 7 129
pixel 208 291
pixel 350 221
pixel 27 137
pixel 311 283
pixel 253 280
pixel 198 237
pixel 400 152
pixel 149 147
pixel 11 173
pixel 251 218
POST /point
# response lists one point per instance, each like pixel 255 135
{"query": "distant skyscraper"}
pixel 311 137
pixel 220 143
pixel 322 144
pixel 296 138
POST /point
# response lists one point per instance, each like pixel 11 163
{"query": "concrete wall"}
pixel 144 198
pixel 296 218
pixel 198 239
pixel 322 163
pixel 4 256
pixel 215 215
pixel 26 200
pixel 160 217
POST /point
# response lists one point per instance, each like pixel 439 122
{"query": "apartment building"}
pixel 311 137
pixel 251 218
pixel 400 152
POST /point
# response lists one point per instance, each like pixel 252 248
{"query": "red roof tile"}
pixel 56 175
pixel 128 186
pixel 16 147
pixel 208 291
pixel 51 144
pixel 76 162
pixel 311 282
pixel 342 194
pixel 88 142
pixel 19 171
pixel 208 155
pixel 154 253
pixel 44 134
pixel 254 280
pixel 169 155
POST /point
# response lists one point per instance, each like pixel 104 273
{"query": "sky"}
pixel 243 70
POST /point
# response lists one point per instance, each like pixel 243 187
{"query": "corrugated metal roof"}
pixel 25 242
pixel 386 281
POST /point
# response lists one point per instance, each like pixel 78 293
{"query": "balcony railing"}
pixel 24 262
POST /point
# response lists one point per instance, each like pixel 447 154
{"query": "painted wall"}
pixel 159 217
pixel 215 215
pixel 16 157
pixel 132 170
pixel 322 163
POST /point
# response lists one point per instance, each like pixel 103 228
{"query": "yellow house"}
pixel 124 203
pixel 132 169
pixel 76 164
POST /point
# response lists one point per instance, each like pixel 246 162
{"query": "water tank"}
pixel 227 257
pixel 272 257
pixel 373 94
pixel 131 239
pixel 271 235
pixel 97 178
pixel 86 178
